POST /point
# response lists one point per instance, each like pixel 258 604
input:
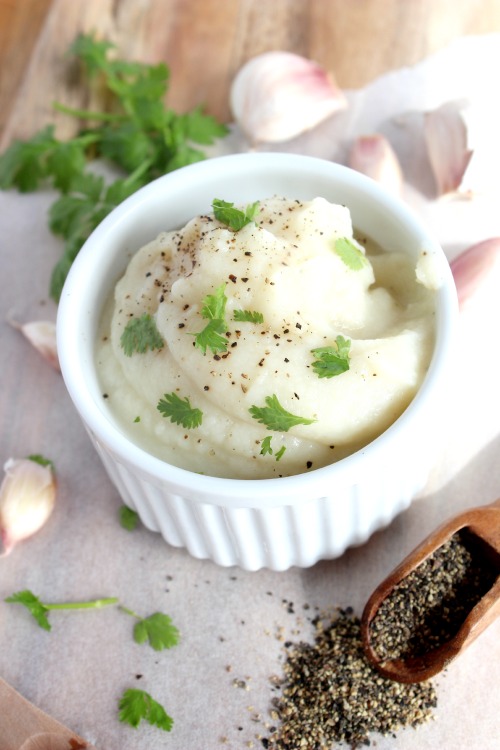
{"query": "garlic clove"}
pixel 473 265
pixel 27 498
pixel 445 133
pixel 278 95
pixel 42 335
pixel 374 156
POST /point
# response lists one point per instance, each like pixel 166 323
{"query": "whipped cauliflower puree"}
pixel 285 275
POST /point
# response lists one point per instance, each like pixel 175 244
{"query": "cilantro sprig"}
pixel 214 310
pixel 233 217
pixel 134 130
pixel 39 610
pixel 332 360
pixel 275 417
pixel 350 254
pixel 141 335
pixel 180 411
pixel 137 705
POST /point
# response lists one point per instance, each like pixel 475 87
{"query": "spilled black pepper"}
pixel 330 693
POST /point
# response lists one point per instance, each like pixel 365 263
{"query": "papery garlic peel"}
pixel 473 265
pixel 279 95
pixel 446 138
pixel 27 498
pixel 42 335
pixel 374 156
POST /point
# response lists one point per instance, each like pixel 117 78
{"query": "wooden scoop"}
pixel 483 524
pixel 23 726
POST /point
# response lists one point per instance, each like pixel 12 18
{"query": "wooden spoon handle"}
pixel 21 723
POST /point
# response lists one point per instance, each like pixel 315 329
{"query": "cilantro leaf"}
pixel 350 253
pixel 158 630
pixel 180 411
pixel 141 334
pixel 275 417
pixel 128 518
pixel 248 316
pixel 33 605
pixel 214 305
pixel 214 310
pixel 332 360
pixel 280 452
pixel 211 337
pixel 266 448
pixel 136 705
pixel 234 218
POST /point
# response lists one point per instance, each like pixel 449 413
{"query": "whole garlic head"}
pixel 279 95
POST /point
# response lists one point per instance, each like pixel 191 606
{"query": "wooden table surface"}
pixel 204 42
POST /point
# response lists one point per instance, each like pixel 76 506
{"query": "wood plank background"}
pixel 204 42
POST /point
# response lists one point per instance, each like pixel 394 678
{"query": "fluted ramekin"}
pixel 273 523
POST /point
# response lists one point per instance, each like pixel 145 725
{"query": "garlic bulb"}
pixel 374 156
pixel 473 265
pixel 278 95
pixel 445 133
pixel 42 335
pixel 27 498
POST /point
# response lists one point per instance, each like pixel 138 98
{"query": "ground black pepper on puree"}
pixel 331 694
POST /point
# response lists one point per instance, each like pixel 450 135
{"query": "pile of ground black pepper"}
pixel 428 607
pixel 330 693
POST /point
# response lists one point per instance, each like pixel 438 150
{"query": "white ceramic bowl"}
pixel 274 523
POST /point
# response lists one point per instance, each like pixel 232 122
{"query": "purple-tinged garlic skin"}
pixel 374 156
pixel 42 335
pixel 27 499
pixel 472 266
pixel 446 138
pixel 278 95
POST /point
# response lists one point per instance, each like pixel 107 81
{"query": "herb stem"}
pixel 86 114
pixel 95 604
pixel 130 612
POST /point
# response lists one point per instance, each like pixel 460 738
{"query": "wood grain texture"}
pixel 204 42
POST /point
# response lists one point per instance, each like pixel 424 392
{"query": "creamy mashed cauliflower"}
pixel 273 293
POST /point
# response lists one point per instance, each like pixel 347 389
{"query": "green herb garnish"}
pixel 213 310
pixel 135 131
pixel 179 411
pixel 266 448
pixel 248 316
pixel 332 360
pixel 141 334
pixel 39 610
pixel 351 255
pixel 157 629
pixel 275 417
pixel 136 705
pixel 233 217
pixel 129 518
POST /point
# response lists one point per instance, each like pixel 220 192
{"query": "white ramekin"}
pixel 274 523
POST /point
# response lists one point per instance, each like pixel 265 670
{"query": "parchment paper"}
pixel 233 622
